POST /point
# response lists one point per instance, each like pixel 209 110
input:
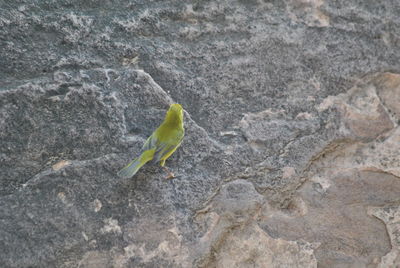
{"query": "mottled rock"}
pixel 390 215
pixel 325 212
pixel 291 154
pixel 388 89
pixel 252 247
pixel 362 112
pixel 233 238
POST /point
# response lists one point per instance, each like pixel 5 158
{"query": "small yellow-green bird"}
pixel 161 144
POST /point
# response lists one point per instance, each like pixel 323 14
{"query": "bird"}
pixel 161 144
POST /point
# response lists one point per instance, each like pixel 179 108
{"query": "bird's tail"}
pixel 136 164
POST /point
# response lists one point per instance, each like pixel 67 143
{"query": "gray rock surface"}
pixel 291 155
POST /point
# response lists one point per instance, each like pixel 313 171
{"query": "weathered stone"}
pixel 252 247
pixel 363 113
pixel 233 238
pixel 333 211
pixel 390 215
pixel 291 154
pixel 388 89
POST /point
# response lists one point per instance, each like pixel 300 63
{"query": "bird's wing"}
pixel 160 147
pixel 163 149
pixel 150 143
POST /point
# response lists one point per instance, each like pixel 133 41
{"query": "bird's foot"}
pixel 170 174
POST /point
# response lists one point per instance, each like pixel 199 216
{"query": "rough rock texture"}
pixel 291 155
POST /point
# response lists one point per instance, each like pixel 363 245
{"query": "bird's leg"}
pixel 170 174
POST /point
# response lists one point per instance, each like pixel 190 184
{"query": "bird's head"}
pixel 175 112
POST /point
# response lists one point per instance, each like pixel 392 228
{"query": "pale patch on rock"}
pixel 169 249
pixel 235 238
pixel 62 197
pixel 75 26
pixel 85 236
pixel 59 165
pixel 252 247
pixel 308 12
pixel 228 133
pixel 390 215
pixel 111 226
pixel 304 116
pixel 266 114
pixel 288 172
pixel 337 217
pixel 374 156
pixel 95 259
pixel 311 98
pixel 326 104
pixel 363 115
pixel 96 204
pixel 388 89
pixel 270 129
